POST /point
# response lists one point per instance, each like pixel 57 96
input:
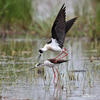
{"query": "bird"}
pixel 59 29
pixel 51 63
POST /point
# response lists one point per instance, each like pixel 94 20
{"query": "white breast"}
pixel 54 45
pixel 48 63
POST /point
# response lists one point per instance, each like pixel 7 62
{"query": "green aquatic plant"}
pixel 15 11
pixel 98 21
pixel 22 14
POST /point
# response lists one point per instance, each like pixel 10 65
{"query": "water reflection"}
pixel 78 78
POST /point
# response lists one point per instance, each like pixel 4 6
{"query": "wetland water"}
pixel 79 78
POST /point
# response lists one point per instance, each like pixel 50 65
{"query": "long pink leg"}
pixel 54 75
pixel 62 53
pixel 63 56
pixel 65 53
pixel 58 55
pixel 65 49
pixel 57 77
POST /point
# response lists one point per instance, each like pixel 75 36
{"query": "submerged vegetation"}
pixel 14 15
pixel 20 16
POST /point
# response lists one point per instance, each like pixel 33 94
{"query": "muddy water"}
pixel 78 79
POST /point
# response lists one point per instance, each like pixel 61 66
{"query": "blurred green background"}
pixel 34 18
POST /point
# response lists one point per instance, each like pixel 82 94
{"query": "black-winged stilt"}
pixel 59 30
pixel 51 63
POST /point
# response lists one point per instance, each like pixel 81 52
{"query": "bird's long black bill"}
pixel 32 68
pixel 38 59
pixel 36 65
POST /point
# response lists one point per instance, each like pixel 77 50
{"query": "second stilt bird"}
pixel 59 30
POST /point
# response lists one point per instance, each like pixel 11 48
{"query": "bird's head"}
pixel 39 64
pixel 40 51
pixel 45 48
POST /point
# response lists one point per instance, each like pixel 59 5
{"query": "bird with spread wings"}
pixel 59 30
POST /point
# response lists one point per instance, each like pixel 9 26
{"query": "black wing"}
pixel 69 24
pixel 58 29
pixel 55 61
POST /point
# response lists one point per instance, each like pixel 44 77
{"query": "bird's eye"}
pixel 38 64
pixel 40 51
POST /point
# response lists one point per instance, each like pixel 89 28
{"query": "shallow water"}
pixel 79 78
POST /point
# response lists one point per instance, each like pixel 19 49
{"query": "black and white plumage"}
pixel 59 30
pixel 51 62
